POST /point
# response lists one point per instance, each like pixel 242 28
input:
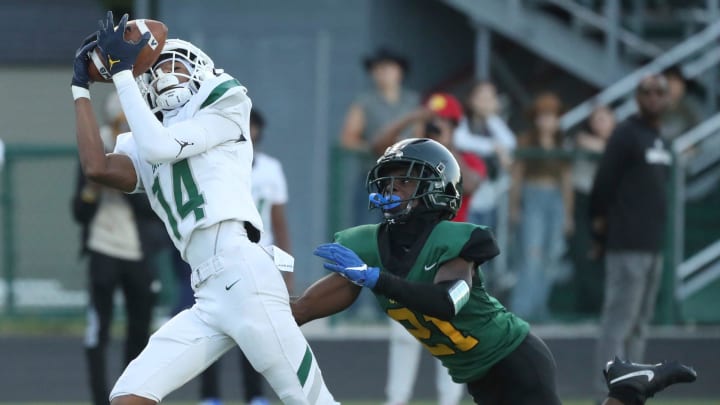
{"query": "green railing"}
pixel 667 307
pixel 345 175
pixel 14 154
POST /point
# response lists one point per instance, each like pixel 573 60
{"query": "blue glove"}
pixel 119 53
pixel 345 262
pixel 81 78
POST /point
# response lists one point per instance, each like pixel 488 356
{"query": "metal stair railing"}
pixel 695 272
pixel 589 17
pixel 704 41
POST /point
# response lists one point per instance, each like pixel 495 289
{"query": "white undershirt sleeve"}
pixel 159 144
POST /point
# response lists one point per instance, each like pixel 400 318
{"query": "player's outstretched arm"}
pixel 327 296
pixel 111 170
pixel 442 299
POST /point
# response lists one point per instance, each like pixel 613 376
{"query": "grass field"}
pixel 569 402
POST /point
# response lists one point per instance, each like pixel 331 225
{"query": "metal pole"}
pixel 667 308
pixel 482 52
pixel 637 20
pixel 711 76
pixel 612 14
pixel 8 234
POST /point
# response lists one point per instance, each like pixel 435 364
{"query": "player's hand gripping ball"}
pixel 81 76
pixel 132 45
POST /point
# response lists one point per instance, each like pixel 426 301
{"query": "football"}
pixel 133 32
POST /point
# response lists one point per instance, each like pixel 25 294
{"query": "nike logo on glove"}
pixel 647 373
pixel 229 286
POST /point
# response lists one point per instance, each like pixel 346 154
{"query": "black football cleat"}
pixel 646 379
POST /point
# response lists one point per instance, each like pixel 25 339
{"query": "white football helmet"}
pixel 163 90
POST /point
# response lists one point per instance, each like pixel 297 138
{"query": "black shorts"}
pixel 525 377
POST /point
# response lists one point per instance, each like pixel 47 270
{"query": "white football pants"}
pixel 240 299
pixel 403 363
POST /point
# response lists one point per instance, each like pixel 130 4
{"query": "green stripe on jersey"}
pixel 304 369
pixel 218 92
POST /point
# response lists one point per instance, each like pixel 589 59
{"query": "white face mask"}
pixel 171 94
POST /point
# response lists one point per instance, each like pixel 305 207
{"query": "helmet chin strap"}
pixel 171 93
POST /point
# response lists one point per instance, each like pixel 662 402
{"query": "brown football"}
pixel 133 32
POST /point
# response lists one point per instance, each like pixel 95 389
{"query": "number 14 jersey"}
pixel 207 188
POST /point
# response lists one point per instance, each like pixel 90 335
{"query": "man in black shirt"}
pixel 628 211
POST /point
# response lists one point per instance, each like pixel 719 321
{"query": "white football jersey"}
pixel 268 188
pixel 206 188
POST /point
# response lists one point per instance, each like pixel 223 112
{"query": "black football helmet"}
pixel 425 160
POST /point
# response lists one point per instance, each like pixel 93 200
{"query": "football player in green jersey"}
pixel 425 273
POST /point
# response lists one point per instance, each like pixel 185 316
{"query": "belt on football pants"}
pixel 205 270
pixel 205 244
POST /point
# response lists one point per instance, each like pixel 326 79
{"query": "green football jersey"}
pixel 480 335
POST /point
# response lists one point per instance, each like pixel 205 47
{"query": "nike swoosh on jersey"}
pixel 428 268
pixel 647 373
pixel 229 286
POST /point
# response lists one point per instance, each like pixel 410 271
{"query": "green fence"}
pixel 13 186
pixel 345 165
pixel 43 274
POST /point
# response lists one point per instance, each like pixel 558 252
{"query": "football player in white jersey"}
pixel 195 168
pixel 269 191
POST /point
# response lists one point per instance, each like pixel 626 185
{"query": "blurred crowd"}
pixel 530 182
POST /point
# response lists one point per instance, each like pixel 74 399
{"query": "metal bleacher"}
pixel 613 45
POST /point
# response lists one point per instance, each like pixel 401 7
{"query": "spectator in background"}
pixel 385 102
pixel 542 193
pixel 438 118
pixel 629 213
pixel 372 110
pixel 484 133
pixel 681 114
pixel 269 190
pixel 588 271
pixel 120 235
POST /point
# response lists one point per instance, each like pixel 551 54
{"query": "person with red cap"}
pixel 436 119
